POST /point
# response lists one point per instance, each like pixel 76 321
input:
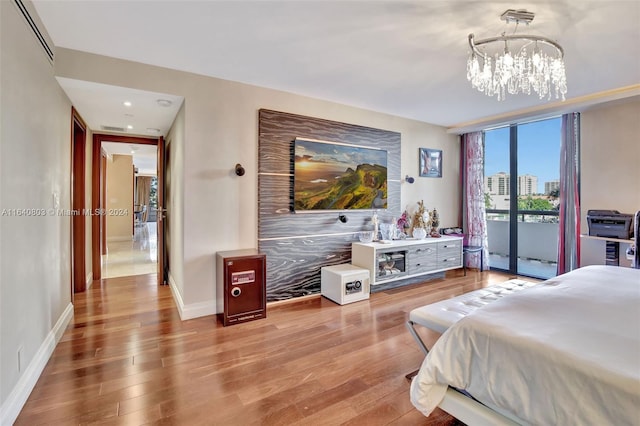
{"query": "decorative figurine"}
pixel 435 221
pixel 374 220
pixel 404 224
pixel 419 228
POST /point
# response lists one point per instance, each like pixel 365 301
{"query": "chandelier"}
pixel 520 64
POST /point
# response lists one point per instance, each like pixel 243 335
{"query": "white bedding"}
pixel 566 351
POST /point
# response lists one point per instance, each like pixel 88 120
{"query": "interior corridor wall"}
pixel 174 202
pixel 35 279
pixel 119 206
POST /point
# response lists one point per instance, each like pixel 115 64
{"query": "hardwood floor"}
pixel 127 359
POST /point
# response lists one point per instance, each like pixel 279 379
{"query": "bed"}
pixel 565 351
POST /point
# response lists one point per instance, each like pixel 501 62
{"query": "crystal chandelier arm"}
pixel 475 43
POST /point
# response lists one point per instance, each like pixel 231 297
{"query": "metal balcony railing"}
pixel 533 215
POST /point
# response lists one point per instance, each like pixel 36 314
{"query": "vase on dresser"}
pixel 419 233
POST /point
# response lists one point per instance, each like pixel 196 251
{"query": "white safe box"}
pixel 344 283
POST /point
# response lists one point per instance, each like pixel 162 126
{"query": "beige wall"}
pixel 220 130
pixel 610 166
pixel 120 198
pixel 35 279
pixel 174 202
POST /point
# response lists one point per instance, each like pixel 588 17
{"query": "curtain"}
pixel 474 212
pixel 143 188
pixel 569 215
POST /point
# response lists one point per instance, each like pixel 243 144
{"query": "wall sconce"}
pixel 343 218
pixel 409 179
pixel 239 170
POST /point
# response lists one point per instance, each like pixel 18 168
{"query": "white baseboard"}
pixel 197 310
pixel 21 391
pixel 177 297
pixel 194 310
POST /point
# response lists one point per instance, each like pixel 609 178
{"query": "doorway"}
pixel 130 186
pixel 138 209
pixel 522 166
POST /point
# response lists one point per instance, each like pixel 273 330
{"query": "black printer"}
pixel 609 223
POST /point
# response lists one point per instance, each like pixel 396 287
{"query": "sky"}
pixel 538 150
pixel 335 156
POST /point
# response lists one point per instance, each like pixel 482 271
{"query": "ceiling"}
pixel 145 157
pixel 102 108
pixel 406 58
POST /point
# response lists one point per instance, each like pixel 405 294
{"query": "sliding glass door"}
pixel 497 196
pixel 521 194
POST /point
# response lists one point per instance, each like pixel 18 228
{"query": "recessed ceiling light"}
pixel 164 102
pixel 127 103
pixel 128 115
pixel 153 130
pixel 129 127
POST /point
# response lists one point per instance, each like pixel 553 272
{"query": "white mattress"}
pixel 566 351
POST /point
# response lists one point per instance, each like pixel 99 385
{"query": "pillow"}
pixel 451 231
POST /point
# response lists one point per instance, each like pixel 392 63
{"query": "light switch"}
pixel 56 200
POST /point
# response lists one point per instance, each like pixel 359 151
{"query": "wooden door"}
pixel 102 237
pixel 162 279
pixel 78 142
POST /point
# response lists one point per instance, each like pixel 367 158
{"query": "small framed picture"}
pixel 430 162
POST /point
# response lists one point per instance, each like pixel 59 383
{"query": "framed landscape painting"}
pixel 338 176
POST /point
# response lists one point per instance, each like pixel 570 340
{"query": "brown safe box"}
pixel 241 286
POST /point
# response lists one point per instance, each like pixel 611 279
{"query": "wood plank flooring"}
pixel 127 359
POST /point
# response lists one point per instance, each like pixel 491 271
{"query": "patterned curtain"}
pixel 143 189
pixel 474 212
pixel 569 228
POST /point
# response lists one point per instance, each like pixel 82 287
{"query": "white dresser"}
pixel 402 259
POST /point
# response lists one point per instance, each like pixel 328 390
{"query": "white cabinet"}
pixel 409 258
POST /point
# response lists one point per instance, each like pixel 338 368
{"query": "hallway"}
pixel 105 354
pixel 136 257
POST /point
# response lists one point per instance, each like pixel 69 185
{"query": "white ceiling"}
pixel 102 105
pixel 406 58
pixel 145 157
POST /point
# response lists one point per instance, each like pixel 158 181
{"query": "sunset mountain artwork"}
pixel 333 176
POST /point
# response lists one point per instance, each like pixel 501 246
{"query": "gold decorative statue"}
pixel 421 222
pixel 435 222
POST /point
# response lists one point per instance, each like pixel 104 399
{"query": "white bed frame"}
pixel 442 315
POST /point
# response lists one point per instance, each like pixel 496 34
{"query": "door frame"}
pixel 160 211
pixel 78 206
pixel 98 239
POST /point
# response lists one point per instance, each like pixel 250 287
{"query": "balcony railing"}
pixel 547 216
pixel 537 238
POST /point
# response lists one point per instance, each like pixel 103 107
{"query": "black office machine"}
pixel 609 223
